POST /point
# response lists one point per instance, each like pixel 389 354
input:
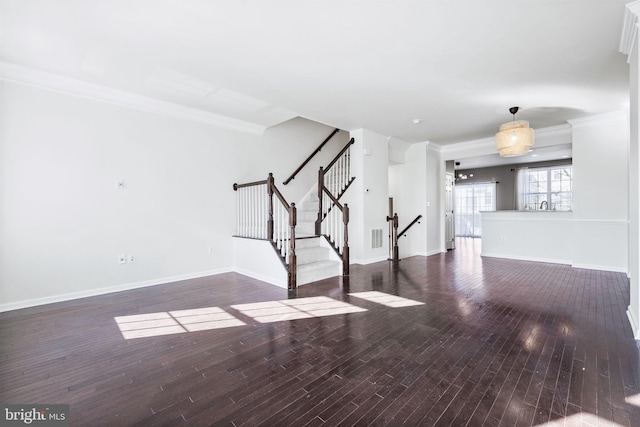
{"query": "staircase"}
pixel 316 258
pixel 315 261
pixel 311 243
pixel 306 226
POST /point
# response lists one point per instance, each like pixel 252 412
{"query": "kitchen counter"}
pixel 528 235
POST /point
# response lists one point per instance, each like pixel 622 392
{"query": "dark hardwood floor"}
pixel 493 342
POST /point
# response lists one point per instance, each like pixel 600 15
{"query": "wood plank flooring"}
pixel 494 342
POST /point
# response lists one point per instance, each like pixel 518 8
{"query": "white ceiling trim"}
pixel 629 29
pixel 597 119
pixel 32 77
pixel 552 135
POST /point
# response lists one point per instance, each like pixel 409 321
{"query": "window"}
pixel 469 200
pixel 548 188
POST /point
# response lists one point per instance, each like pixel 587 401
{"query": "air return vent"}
pixel 376 238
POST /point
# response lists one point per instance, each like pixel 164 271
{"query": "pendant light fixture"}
pixel 514 138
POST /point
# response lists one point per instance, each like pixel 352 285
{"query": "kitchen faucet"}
pixel 545 204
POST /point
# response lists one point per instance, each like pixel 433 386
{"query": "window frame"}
pixel 560 200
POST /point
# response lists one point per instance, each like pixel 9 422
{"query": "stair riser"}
pixel 311 255
pixel 307 243
pixel 307 216
pixel 308 228
pixel 305 277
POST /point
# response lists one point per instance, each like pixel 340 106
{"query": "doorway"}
pixel 469 201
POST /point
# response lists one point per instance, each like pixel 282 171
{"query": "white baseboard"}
pixel 635 327
pixel 601 267
pixel 102 291
pixel 560 261
pixel 369 261
pixel 426 254
pixel 525 258
pixel 269 280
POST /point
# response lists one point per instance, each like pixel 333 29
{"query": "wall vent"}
pixel 376 238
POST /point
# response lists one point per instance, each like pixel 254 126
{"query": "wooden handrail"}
pixel 400 234
pixel 281 197
pixel 332 197
pixel 316 151
pixel 335 159
pixel 249 184
pixel 396 236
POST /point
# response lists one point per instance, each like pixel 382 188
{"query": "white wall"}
pixel 634 186
pixel 543 236
pixel 368 196
pixel 417 187
pixel 435 205
pixel 282 149
pixel 600 193
pixel 408 187
pixel 64 223
pixel 256 258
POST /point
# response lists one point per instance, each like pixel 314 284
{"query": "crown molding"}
pixel 629 29
pixel 553 131
pixel 559 131
pixel 467 145
pixel 15 73
pixel 435 147
pixel 597 119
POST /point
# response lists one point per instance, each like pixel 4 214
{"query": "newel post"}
pixel 345 247
pixel 270 219
pixel 396 256
pixel 293 264
pixel 320 188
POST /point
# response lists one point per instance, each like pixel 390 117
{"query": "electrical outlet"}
pixel 132 258
pixel 122 259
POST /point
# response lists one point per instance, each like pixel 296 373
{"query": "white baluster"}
pixel 349 164
pixel 276 223
pixel 244 212
pixel 341 173
pixel 237 212
pixel 265 212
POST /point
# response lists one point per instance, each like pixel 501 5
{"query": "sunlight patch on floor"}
pixel 207 318
pixel 301 308
pixel 633 400
pixel 202 319
pixel 580 420
pixel 175 322
pixel 386 299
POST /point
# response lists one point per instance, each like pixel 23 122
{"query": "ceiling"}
pixel 539 154
pixel 457 66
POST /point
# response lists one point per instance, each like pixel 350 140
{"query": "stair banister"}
pixel 270 187
pixel 345 148
pixel 338 174
pixel 292 276
pixel 258 217
pixel 316 151
pixel 320 197
pixel 402 233
pixel 345 247
pixel 395 236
